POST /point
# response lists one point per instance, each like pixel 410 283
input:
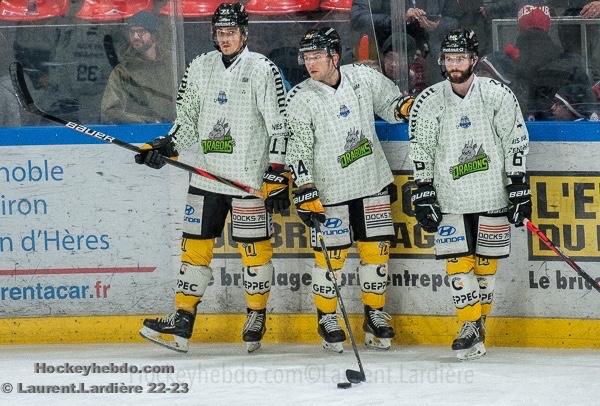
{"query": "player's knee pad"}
pixel 192 281
pixel 255 253
pixel 257 285
pixel 373 284
pixel 486 266
pixel 197 252
pixel 465 288
pixel 457 265
pixel 373 252
pixel 337 258
pixel 323 289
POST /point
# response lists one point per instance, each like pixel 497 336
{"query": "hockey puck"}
pixel 344 385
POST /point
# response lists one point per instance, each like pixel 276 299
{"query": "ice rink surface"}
pixel 284 375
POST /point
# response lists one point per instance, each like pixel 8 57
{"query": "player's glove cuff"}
pixel 309 206
pixel 427 210
pixel 275 190
pixel 519 198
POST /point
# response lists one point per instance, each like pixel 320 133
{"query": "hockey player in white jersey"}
pixel 343 177
pixel 468 142
pixel 230 103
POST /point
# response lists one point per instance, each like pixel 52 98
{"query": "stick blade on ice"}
pixel 355 376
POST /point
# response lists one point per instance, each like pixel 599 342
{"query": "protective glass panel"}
pixel 550 63
pixel 91 61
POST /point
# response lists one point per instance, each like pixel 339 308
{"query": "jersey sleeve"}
pixel 423 130
pixel 386 95
pixel 184 130
pixel 510 127
pixel 300 148
pixel 271 103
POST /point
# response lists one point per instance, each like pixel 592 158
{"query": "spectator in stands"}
pixel 533 52
pixel 367 15
pixel 426 25
pixel 139 89
pixel 584 9
pixel 498 9
pixel 591 10
pixel 502 68
pixel 571 104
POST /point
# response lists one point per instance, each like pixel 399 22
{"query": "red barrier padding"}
pixel 32 10
pixel 112 10
pixel 271 7
pixel 338 5
pixel 192 8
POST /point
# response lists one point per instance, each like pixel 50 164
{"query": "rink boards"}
pixel 89 242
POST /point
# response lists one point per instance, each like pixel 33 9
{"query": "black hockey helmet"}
pixel 230 15
pixel 326 38
pixel 461 40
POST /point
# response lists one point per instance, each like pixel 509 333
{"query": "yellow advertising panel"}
pixel 566 206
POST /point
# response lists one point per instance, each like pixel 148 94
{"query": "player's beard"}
pixel 463 76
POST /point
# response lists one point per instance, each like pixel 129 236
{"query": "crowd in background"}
pixel 99 72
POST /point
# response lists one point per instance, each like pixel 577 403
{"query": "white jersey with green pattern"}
pixel 333 143
pixel 235 115
pixel 468 145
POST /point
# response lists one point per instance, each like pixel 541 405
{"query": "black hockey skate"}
pixel 177 326
pixel 378 332
pixel 330 331
pixel 254 329
pixel 469 343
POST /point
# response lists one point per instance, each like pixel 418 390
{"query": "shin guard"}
pixel 465 289
pixel 485 270
pixel 194 273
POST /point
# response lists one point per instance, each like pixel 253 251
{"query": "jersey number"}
pixel 518 159
pixel 87 73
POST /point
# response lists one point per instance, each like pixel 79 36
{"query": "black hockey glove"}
pixel 276 190
pixel 153 154
pixel 309 206
pixel 519 198
pixel 427 210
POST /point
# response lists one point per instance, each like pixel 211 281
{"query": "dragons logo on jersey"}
pixel 473 159
pixel 222 97
pixel 344 111
pixel 357 146
pixel 464 122
pixel 219 139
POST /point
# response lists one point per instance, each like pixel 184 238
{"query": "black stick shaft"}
pixel 24 96
pixel 337 292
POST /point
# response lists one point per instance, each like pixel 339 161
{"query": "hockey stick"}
pixel 534 230
pixel 352 375
pixel 24 97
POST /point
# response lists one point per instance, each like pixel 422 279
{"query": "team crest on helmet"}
pixel 472 159
pixel 219 139
pixel 357 146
